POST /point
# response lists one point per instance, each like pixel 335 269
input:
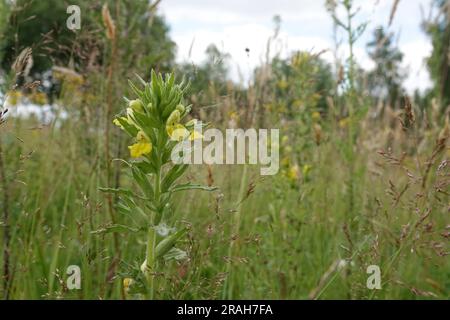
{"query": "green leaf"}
pixel 168 243
pixel 146 123
pixel 175 254
pixel 192 186
pixel 142 81
pixel 127 194
pixel 145 166
pixel 119 228
pixel 172 175
pixel 130 129
pixel 142 181
pixel 118 191
pixel 137 91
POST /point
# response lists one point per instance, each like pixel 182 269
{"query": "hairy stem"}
pixel 151 239
pixel 150 265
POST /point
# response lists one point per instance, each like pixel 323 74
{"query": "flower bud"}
pixel 191 123
pixel 127 283
pixel 136 105
pixel 180 108
pixel 144 266
pixel 174 118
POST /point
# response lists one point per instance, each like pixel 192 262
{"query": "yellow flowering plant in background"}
pixel 154 121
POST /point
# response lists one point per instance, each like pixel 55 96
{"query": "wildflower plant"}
pixel 154 120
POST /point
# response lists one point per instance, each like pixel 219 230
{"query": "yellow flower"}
pixel 39 98
pixel 174 118
pixel 127 283
pixel 177 132
pixel 142 136
pixel 315 116
pixel 344 122
pixel 306 169
pixel 282 84
pixel 140 148
pixel 293 173
pixel 285 162
pixel 14 97
pixel 195 135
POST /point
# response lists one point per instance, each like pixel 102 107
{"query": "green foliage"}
pixel 29 26
pixel 54 44
pixel 208 79
pixel 438 63
pixel 385 81
pixel 302 81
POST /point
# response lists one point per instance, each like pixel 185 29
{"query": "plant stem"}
pixel 149 270
pixel 151 239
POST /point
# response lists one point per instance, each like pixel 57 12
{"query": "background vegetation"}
pixel 364 175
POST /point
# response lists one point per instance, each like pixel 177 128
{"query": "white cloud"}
pixel 234 25
pixel 415 53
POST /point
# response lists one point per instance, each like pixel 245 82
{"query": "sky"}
pixel 234 25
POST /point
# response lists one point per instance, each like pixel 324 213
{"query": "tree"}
pixel 303 79
pixel 385 81
pixel 211 75
pixel 41 25
pixel 438 29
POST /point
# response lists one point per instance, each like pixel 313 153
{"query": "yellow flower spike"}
pixel 140 148
pixel 136 105
pixel 177 132
pixel 195 135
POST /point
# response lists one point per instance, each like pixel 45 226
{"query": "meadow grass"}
pixel 294 240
